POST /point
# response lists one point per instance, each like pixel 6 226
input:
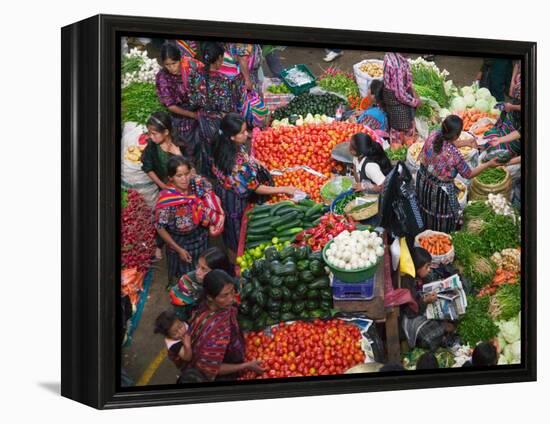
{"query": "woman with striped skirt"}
pixel 184 212
pixel 440 162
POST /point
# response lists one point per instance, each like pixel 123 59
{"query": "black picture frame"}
pixel 91 198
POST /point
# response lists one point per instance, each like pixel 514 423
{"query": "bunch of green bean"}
pixel 492 176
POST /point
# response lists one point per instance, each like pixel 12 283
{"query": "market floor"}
pixel 144 360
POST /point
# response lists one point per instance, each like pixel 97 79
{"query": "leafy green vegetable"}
pixel 397 154
pixel 477 209
pixel 428 83
pixel 139 101
pixel 339 83
pixel 508 297
pixel 500 232
pixel 476 324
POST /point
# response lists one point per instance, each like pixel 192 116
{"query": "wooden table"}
pixel 375 310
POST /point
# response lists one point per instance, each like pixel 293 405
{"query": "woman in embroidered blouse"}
pixel 236 177
pixel 161 146
pixel 440 162
pixel 375 116
pixel 218 347
pixel 182 215
pixel 249 58
pixel 400 98
pixel 172 93
pixel 506 134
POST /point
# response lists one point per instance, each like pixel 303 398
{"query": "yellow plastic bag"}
pixel 406 264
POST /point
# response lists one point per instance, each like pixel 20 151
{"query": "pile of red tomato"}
pixel 305 349
pixel 309 144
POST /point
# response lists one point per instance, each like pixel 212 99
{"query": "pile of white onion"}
pixel 355 250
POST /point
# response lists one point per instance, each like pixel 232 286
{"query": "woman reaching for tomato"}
pixel 236 176
pixel 217 343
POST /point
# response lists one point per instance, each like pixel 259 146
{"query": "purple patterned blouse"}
pixel 398 78
pixel 446 164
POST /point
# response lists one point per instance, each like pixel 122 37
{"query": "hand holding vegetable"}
pixel 255 366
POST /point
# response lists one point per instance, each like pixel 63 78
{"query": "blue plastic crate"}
pixel 363 290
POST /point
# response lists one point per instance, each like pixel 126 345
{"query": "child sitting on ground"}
pixel 176 337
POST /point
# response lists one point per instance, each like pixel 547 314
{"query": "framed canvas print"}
pixel 254 211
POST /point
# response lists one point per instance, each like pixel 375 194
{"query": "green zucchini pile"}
pixel 282 220
pixel 288 285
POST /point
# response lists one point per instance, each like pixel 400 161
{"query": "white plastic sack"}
pixel 363 79
pixel 395 250
pixel 132 175
pixel 445 259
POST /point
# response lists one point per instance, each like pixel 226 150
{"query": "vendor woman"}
pixel 375 116
pixel 400 99
pixel 440 162
pixel 182 215
pixel 236 177
pixel 370 163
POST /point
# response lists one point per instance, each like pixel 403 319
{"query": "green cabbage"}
pixel 511 330
pixel 469 99
pixel 512 352
pixel 483 93
pixel 482 105
pixel 458 104
pixel 467 90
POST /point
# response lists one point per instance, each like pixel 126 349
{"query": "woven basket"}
pixel 365 213
pixel 480 191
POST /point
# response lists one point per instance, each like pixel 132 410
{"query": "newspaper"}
pixel 451 299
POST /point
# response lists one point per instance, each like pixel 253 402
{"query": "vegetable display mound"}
pixel 285 286
pixel 436 244
pixel 397 154
pixel 305 349
pixel 303 104
pixel 506 303
pixel 138 233
pixel 339 82
pixel 356 250
pixel 280 222
pixel 278 89
pixel 139 101
pixel 329 226
pixel 310 145
pixel 476 325
pixel 492 176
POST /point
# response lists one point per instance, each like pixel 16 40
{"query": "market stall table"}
pixel 376 310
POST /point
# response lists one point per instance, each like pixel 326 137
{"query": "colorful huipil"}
pixel 437 193
pixel 398 96
pixel 508 121
pixel 234 191
pixel 215 339
pixel 185 217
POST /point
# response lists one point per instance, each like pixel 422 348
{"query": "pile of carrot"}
pixel 501 277
pixel 436 244
pixel 479 131
pixel 471 116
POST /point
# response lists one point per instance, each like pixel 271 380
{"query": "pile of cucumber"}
pixel 282 220
pixel 285 286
